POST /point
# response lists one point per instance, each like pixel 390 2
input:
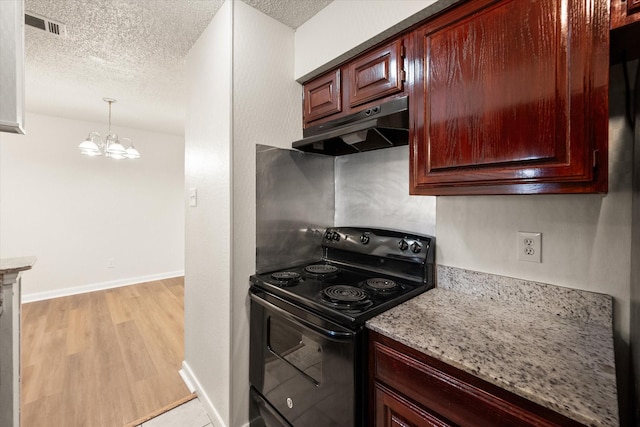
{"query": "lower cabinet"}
pixel 409 388
pixel 395 410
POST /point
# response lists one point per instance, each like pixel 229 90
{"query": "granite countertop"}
pixel 551 345
pixel 15 265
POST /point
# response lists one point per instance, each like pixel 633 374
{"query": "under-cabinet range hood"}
pixel 383 126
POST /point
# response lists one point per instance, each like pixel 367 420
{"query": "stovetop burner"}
pixel 345 296
pixel 344 293
pixel 286 278
pixel 383 286
pixel 321 269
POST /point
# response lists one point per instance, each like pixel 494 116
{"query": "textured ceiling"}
pixel 130 50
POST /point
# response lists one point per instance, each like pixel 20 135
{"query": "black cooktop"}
pixel 363 272
pixel 346 295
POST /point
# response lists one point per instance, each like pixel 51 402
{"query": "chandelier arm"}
pixel 96 138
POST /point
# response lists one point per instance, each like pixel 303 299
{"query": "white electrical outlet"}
pixel 529 246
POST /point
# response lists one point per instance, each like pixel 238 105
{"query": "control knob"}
pixel 364 239
pixel 336 236
pixel 416 247
pixel 403 245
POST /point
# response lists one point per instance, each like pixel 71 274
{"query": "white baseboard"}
pixel 39 296
pixel 192 383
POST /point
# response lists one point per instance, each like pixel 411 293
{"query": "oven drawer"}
pixel 262 414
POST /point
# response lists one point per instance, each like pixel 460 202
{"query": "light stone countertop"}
pixel 15 265
pixel 10 266
pixel 560 356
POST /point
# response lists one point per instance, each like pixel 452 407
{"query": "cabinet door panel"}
pixel 452 395
pixel 393 410
pixel 322 97
pixel 475 92
pixel 376 74
pixel 511 95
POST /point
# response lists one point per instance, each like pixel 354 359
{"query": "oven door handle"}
pixel 327 333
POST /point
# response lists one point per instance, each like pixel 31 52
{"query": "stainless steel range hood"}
pixel 383 126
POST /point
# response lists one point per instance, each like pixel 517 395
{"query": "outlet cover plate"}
pixel 529 246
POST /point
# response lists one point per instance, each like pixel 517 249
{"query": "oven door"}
pixel 302 368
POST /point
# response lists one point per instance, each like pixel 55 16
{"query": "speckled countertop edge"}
pixel 568 303
pixel 14 265
pixel 557 360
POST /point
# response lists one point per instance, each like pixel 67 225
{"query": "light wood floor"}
pixel 103 359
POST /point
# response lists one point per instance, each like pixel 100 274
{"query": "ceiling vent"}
pixel 45 24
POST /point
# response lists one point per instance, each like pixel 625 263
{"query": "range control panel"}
pixel 378 242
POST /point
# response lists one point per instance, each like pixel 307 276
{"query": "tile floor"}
pixel 189 414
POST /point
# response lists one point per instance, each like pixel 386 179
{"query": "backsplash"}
pixel 372 189
pixel 567 303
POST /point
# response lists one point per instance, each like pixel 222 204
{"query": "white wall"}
pixel 241 93
pixel 207 323
pixel 73 212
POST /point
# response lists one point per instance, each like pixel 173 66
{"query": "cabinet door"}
pixel 377 74
pixel 322 96
pixel 625 13
pixel 510 96
pixel 393 410
pixel 410 386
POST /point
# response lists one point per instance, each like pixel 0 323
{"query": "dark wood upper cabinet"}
pixel 625 12
pixel 376 74
pixel 510 96
pixel 322 96
pixel 364 82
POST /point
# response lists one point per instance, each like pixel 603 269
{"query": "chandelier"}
pixel 111 147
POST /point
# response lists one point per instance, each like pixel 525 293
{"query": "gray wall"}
pixel 372 189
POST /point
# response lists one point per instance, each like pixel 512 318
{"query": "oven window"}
pixel 296 346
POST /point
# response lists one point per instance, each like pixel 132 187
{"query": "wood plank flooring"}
pixel 103 359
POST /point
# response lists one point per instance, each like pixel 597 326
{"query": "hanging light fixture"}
pixel 111 147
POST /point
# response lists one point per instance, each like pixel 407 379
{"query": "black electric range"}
pixel 308 364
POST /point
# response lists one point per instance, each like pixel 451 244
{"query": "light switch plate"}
pixel 193 197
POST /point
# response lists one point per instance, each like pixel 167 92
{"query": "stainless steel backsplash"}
pixel 295 203
pixel 372 190
pixel 299 195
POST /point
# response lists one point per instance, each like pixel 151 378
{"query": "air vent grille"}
pixel 45 24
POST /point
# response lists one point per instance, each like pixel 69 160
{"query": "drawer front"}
pixel 450 397
pixel 393 410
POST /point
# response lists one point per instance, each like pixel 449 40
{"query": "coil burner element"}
pixel 345 297
pixel 286 278
pixel 321 269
